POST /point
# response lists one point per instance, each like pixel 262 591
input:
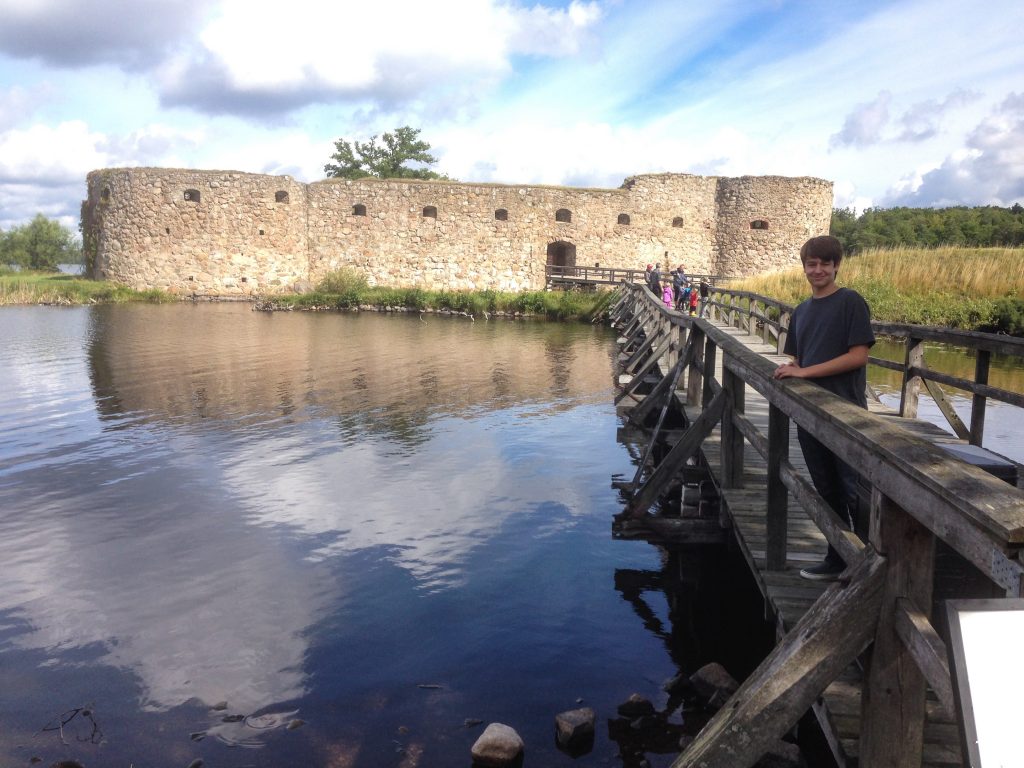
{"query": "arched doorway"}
pixel 561 254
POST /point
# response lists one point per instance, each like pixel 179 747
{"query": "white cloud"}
pixel 988 170
pixel 864 125
pixel 268 57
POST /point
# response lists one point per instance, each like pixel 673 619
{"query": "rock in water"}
pixel 574 730
pixel 712 681
pixel 498 746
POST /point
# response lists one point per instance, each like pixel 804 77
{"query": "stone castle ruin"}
pixel 219 233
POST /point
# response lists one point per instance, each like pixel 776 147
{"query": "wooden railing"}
pixel 918 492
pixel 769 320
pixel 608 275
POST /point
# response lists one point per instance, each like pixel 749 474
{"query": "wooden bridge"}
pixel 558 276
pixel 865 653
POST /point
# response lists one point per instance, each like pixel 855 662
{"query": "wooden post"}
pixel 911 384
pixel 694 379
pixel 893 700
pixel 732 438
pixel 778 498
pixel 709 371
pixel 784 318
pixel 978 401
pixel 813 654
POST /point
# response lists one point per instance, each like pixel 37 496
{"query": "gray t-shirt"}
pixel 823 329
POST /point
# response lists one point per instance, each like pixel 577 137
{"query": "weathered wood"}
pixel 845 541
pixel 911 388
pixel 639 414
pixel 999 344
pixel 707 392
pixel 667 395
pixel 769 702
pixel 732 438
pixel 892 702
pixel 638 354
pixel 928 651
pixel 675 458
pixel 1012 398
pixel 638 377
pixel 694 377
pixel 778 499
pixel 978 402
pixel 952 418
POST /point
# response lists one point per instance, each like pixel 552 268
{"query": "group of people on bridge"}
pixel 677 290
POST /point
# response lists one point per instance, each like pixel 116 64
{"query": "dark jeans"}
pixel 834 480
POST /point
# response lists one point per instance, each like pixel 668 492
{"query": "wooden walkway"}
pixel 863 653
pixel 787 595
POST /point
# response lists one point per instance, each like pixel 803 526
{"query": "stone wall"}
pixel 224 232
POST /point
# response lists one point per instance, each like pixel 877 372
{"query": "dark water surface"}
pixel 378 525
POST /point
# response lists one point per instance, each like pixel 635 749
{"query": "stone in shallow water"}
pixel 498 746
pixel 574 730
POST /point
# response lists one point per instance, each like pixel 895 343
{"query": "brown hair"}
pixel 823 248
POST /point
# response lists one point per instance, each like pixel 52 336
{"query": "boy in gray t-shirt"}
pixel 829 338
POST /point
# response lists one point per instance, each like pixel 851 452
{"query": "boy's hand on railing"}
pixel 788 371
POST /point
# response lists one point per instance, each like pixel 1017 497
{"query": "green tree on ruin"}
pixel 387 160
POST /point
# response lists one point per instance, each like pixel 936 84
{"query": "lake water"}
pixel 215 522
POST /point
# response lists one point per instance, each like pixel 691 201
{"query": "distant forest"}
pixel 982 227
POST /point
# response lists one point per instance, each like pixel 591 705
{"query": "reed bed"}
pixel 970 288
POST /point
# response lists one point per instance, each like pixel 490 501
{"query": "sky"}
pixel 907 102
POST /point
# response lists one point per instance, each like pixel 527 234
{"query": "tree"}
pixel 41 244
pixel 385 162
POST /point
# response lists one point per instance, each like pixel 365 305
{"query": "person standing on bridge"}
pixel 829 339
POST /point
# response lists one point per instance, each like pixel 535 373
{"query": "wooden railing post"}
pixel 778 498
pixel 732 438
pixel 911 383
pixel 893 700
pixel 978 401
pixel 709 372
pixel 694 378
pixel 784 318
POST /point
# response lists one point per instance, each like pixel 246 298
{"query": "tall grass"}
pixel 52 288
pixel 957 287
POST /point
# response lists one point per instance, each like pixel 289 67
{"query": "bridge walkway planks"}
pixel 787 595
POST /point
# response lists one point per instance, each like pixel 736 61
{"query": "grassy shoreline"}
pixel 966 288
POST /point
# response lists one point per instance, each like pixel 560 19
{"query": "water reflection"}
pixel 303 514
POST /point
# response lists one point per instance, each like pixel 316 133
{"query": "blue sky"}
pixel 909 102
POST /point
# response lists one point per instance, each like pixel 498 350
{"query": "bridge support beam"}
pixel 893 699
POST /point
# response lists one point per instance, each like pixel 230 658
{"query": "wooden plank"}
pixel 777 498
pixel 794 674
pixel 947 409
pixel 893 697
pixel 644 370
pixel 928 651
pixel 675 458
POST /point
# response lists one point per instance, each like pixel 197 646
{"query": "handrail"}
pixel 919 492
pixel 773 316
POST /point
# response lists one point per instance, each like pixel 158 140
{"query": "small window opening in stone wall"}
pixel 623 218
pixel 167 230
pixel 677 221
pixel 430 212
pixel 358 209
pixel 261 231
pixel 191 278
pixel 281 196
pixel 563 215
pixel 501 214
pixel 245 279
pixel 759 224
pixel 105 195
pixel 192 195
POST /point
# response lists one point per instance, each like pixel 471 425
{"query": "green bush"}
pixel 345 281
pixel 1007 317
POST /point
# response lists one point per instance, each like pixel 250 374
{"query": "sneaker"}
pixel 823 571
